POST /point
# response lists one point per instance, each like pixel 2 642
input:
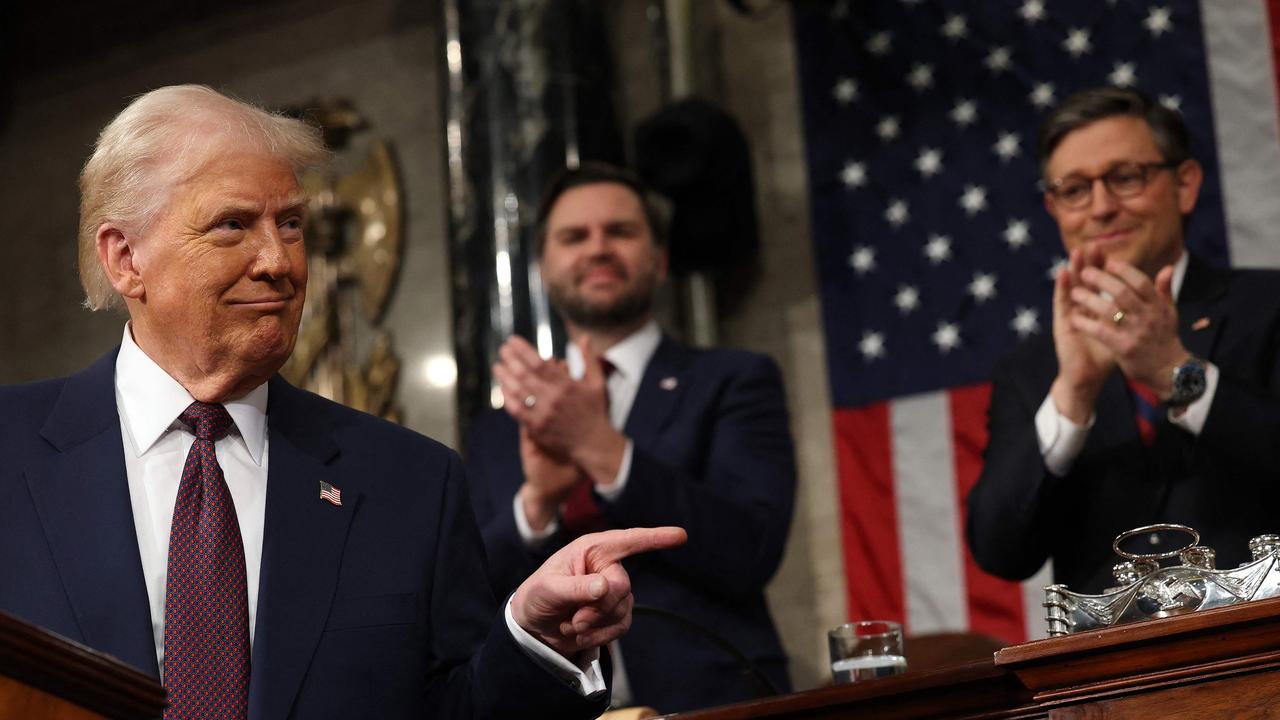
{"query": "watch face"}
pixel 1188 383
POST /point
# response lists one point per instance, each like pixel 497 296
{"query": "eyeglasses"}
pixel 1124 180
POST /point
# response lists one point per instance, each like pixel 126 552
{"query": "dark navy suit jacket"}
pixel 378 608
pixel 712 454
pixel 1223 482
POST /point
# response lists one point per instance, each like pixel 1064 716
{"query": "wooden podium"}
pixel 47 677
pixel 1222 663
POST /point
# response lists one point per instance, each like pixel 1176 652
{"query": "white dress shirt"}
pixel 1061 440
pixel 156 444
pixel 155 450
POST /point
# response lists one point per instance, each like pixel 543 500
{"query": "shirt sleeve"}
pixel 586 676
pixel 614 489
pixel 531 537
pixel 1060 439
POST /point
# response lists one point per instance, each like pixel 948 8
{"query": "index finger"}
pixel 1133 277
pixel 610 546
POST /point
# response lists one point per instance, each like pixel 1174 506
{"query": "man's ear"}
pixel 116 254
pixel 662 260
pixel 1190 176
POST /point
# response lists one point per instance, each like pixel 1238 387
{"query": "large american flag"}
pixel 935 254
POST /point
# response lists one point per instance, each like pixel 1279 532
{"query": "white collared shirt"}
pixel 1061 440
pixel 155 449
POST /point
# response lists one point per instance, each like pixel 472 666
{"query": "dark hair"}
pixel 1088 106
pixel 594 172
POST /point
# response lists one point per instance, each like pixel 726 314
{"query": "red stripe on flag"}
pixel 868 513
pixel 1273 19
pixel 995 605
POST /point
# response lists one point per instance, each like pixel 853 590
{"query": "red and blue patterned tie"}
pixel 206 610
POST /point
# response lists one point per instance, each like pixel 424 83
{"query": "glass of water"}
pixel 866 650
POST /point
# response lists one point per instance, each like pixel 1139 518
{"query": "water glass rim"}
pixel 890 628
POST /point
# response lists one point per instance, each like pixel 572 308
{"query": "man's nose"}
pixel 271 259
pixel 1102 201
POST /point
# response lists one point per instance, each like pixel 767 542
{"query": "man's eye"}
pixel 1126 176
pixel 1073 190
pixel 231 224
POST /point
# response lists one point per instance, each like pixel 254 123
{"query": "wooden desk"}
pixel 1222 663
pixel 47 677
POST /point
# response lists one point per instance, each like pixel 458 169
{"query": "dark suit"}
pixel 378 608
pixel 1223 483
pixel 712 453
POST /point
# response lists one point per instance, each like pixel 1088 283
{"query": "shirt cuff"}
pixel 1060 439
pixel 531 537
pixel 586 677
pixel 613 490
pixel 1193 417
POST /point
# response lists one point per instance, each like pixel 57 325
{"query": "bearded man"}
pixel 633 427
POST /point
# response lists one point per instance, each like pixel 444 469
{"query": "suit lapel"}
pixel 1201 314
pixel 303 541
pixel 82 498
pixel 659 393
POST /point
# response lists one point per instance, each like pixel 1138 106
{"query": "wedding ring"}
pixel 1114 318
pixel 530 401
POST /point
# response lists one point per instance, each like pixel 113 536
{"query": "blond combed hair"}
pixel 161 139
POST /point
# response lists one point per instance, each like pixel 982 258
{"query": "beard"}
pixel 624 310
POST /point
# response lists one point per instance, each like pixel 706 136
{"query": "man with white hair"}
pixel 264 551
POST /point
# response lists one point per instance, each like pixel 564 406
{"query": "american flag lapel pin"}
pixel 1200 324
pixel 668 383
pixel 330 493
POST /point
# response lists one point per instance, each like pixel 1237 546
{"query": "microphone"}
pixel 748 667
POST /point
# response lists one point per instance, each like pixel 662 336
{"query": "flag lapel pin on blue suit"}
pixel 330 493
pixel 1200 324
pixel 668 383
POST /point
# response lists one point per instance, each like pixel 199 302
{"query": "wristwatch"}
pixel 1188 382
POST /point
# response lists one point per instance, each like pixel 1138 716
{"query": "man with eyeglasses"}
pixel 1155 400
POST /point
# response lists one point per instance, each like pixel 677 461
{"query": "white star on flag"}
pixel 863 259
pixel 1058 262
pixel 938 249
pixel 929 162
pixel 983 286
pixel 1042 95
pixel 1124 75
pixel 1025 321
pixel 871 345
pixel 887 128
pixel 853 174
pixel 907 299
pixel 1007 146
pixel 946 337
pixel 1032 10
pixel 897 213
pixel 845 91
pixel 920 77
pixel 974 199
pixel 1017 233
pixel 955 27
pixel 998 60
pixel 964 113
pixel 880 43
pixel 1077 42
pixel 1159 21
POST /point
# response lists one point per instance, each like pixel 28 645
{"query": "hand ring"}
pixel 530 401
pixel 1117 317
